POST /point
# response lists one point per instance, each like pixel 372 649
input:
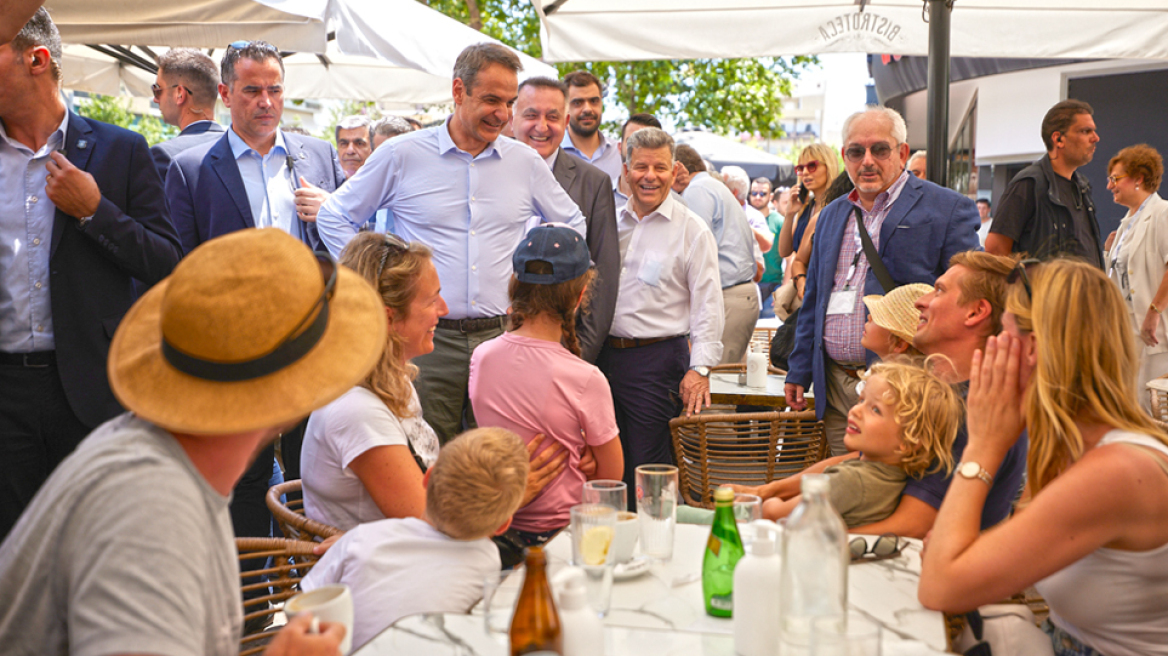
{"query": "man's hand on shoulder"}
pixel 72 190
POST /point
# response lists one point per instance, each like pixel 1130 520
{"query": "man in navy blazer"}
pixel 916 227
pixel 81 215
pixel 185 89
pixel 255 175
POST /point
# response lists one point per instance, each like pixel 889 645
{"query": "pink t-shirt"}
pixel 533 386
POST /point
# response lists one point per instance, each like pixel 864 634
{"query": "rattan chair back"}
pixel 271 583
pixel 1159 403
pixel 290 515
pixel 743 448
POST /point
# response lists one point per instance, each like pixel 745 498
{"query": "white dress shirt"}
pixel 669 282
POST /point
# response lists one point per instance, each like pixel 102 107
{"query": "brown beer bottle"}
pixel 535 627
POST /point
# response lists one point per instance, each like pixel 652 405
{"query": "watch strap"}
pixel 982 473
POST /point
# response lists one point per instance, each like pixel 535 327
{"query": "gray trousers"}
pixel 442 380
pixel 740 303
pixel 841 396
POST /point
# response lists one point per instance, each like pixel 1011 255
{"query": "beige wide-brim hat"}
pixel 895 312
pixel 232 310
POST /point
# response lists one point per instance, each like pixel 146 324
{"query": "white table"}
pixel 725 389
pixel 662 612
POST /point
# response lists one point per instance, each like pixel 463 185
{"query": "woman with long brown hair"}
pixel 1094 537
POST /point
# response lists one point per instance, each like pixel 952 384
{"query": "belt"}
pixel 633 342
pixel 851 372
pixel 36 359
pixel 473 325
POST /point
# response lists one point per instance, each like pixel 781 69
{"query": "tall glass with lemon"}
pixel 593 530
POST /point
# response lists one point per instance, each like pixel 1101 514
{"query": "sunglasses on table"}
pixel 883 548
pixel 1019 273
pixel 809 167
pixel 855 152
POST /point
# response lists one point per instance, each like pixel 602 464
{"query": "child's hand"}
pixel 995 416
pixel 587 464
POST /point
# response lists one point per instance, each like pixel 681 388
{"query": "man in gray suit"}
pixel 541 117
pixel 186 89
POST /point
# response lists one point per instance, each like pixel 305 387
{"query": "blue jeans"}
pixel 766 293
pixel 1066 644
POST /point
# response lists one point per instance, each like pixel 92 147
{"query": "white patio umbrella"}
pixel 295 25
pixel 722 151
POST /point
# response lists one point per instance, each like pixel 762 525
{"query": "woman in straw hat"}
pixel 1094 537
pixel 892 321
pixel 365 453
pixel 129 544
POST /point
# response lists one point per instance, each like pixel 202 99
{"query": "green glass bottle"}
pixel 723 551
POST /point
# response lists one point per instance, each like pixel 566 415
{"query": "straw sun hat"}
pixel 894 311
pixel 246 334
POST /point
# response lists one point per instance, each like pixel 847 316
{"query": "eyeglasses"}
pixel 1020 272
pixel 809 167
pixel 855 153
pixel 393 244
pixel 158 90
pixel 760 194
pixel 885 547
pixel 1112 179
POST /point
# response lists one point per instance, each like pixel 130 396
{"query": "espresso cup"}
pixel 328 603
pixel 625 540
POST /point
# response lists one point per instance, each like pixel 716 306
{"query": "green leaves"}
pixel 116 111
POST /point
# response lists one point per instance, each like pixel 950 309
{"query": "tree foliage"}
pixel 116 111
pixel 721 95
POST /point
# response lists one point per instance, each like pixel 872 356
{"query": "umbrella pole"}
pixel 937 163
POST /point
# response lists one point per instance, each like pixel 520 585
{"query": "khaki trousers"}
pixel 740 304
pixel 841 396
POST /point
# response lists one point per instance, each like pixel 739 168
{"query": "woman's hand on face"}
pixel 1148 330
pixel 995 416
pixel 794 206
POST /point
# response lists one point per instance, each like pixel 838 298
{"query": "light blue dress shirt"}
pixel 269 183
pixel 607 157
pixel 715 203
pixel 26 230
pixel 470 210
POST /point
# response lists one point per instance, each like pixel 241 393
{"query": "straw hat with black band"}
pixel 251 331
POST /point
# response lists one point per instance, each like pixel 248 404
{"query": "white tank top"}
pixel 1115 601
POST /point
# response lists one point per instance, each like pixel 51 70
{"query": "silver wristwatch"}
pixel 974 470
pixel 702 370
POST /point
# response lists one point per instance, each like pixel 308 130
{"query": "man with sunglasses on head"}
pixel 185 90
pixel 468 195
pixel 915 226
pixel 81 215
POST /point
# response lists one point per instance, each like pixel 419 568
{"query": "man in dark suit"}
pixel 541 117
pixel 254 176
pixel 916 226
pixel 81 214
pixel 186 89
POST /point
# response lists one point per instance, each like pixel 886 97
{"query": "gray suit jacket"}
pixel 591 189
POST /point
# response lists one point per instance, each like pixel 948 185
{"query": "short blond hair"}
pixel 477 483
pixel 928 411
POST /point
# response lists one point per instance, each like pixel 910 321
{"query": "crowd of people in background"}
pixel 450 329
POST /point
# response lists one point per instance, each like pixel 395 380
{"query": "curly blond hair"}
pixel 928 411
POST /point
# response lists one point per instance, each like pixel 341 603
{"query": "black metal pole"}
pixel 937 163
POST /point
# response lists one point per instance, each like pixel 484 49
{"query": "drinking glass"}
pixel 853 635
pixel 657 509
pixel 593 533
pixel 747 508
pixel 499 599
pixel 606 493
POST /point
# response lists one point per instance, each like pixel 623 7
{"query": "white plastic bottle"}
pixel 756 594
pixel 583 630
pixel 756 369
pixel 815 557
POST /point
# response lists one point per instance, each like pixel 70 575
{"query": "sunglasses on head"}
pixel 809 167
pixel 262 45
pixel 886 546
pixel 855 152
pixel 393 244
pixel 1019 272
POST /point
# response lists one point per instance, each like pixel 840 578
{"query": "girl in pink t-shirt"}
pixel 532 381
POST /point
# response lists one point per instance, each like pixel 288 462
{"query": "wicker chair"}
pixel 744 448
pixel 290 517
pixel 291 560
pixel 760 341
pixel 1159 402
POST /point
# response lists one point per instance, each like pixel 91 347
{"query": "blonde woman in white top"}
pixel 1138 252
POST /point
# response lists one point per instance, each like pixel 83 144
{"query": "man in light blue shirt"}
pixel 714 202
pixel 584 138
pixel 468 195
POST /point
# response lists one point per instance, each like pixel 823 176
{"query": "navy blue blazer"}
pixel 193 135
pixel 927 225
pixel 91 268
pixel 207 197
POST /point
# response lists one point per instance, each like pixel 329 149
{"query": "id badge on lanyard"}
pixel 844 301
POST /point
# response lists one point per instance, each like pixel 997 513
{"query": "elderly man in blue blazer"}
pixel 255 175
pixel 916 226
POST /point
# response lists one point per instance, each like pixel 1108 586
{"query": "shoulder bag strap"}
pixel 874 261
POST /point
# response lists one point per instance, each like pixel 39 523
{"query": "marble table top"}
pixel 662 611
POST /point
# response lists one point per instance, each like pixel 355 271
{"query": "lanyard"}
pixel 1118 247
pixel 859 253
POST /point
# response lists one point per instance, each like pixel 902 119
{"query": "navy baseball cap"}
pixel 558 245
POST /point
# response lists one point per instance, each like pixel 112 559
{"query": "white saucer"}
pixel 636 566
